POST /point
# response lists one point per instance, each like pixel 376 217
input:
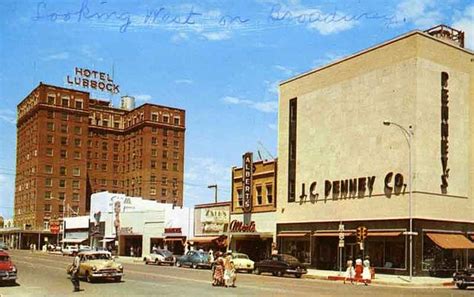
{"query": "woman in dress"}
pixel 349 271
pixel 366 273
pixel 358 269
pixel 218 277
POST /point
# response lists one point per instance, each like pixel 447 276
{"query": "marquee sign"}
pixel 247 182
pixel 92 79
pixel 444 131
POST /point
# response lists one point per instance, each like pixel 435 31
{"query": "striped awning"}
pixel 451 241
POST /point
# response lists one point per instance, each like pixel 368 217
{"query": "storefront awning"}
pixel 107 240
pixel 204 239
pixel 174 238
pixel 472 236
pixel 73 240
pixel 451 241
pixel 331 234
pixel 293 234
pixel 384 233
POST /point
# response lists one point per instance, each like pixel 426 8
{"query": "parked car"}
pixel 84 248
pixel 98 265
pixel 3 246
pixel 8 271
pixel 464 279
pixel 194 259
pixel 242 262
pixel 280 265
pixel 69 250
pixel 160 257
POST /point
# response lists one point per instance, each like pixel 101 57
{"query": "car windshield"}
pixel 290 259
pixel 165 253
pixel 4 258
pixel 240 256
pixel 98 257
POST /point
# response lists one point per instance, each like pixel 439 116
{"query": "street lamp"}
pixel 408 133
pixel 215 191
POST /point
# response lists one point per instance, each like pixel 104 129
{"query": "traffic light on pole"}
pixel 365 232
pixel 359 234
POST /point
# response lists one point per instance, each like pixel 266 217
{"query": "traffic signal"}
pixel 365 232
pixel 361 233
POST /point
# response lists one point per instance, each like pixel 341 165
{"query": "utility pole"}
pixel 215 191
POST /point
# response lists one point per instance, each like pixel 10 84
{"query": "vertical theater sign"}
pixel 247 182
pixel 444 132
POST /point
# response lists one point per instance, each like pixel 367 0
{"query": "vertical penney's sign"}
pixel 247 181
pixel 444 132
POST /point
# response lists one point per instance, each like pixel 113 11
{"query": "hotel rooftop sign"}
pixel 92 79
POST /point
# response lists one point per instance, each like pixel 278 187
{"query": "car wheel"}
pixel 118 279
pixel 157 262
pixel 194 265
pixel 257 271
pixel 178 264
pixel 279 273
pixel 89 278
pixel 461 285
pixel 298 275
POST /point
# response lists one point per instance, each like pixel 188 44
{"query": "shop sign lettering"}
pixel 247 182
pixel 444 131
pixel 126 230
pixel 353 188
pixel 239 226
pixel 92 79
pixel 173 230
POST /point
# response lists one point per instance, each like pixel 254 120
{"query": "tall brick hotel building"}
pixel 70 146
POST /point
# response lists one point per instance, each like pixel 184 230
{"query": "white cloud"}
pixel 143 97
pixel 466 23
pixel 287 71
pixel 327 58
pixel 8 116
pixel 333 27
pixel 184 81
pixel 179 37
pixel 272 86
pixel 423 13
pixel 57 56
pixel 216 36
pixel 265 106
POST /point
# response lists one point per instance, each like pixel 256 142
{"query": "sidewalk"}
pixel 385 279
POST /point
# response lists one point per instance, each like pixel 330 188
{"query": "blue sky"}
pixel 219 60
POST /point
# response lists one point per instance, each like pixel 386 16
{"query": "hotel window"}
pixel 175 193
pixel 165 132
pixel 239 197
pixel 153 179
pixel 175 155
pixel 64 116
pixel 64 140
pixel 75 184
pixel 50 139
pixel 75 196
pixel 164 192
pixel 165 154
pixel 153 152
pixel 166 119
pixel 76 171
pixel 77 118
pixel 77 142
pixel 154 129
pixel 63 128
pixel 153 164
pixel 104 146
pixel 164 165
pixel 51 99
pixel 116 168
pixel 89 165
pixel 49 152
pixel 164 181
pixel 63 154
pixel 175 166
pixel 103 182
pixel 50 126
pixel 48 169
pixel 50 114
pixel 116 157
pixel 77 155
pixel 176 133
pixel 104 167
pixel 165 142
pixel 61 208
pixel 163 201
pixel 153 140
pixel 48 182
pixel 89 143
pixel 116 147
pixel 154 117
pixel 176 121
pixel 62 183
pixel 47 207
pixel 104 156
pixel 105 123
pixel 152 191
pixel 61 195
pixel 259 195
pixel 78 104
pixel 62 170
pixel 292 150
pixel 77 130
pixel 269 189
pixel 116 125
pixel 176 144
pixel 65 102
pixel 175 182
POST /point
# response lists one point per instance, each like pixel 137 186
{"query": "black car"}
pixel 280 265
pixel 464 279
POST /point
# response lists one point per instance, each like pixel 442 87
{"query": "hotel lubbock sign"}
pixel 247 181
pixel 92 79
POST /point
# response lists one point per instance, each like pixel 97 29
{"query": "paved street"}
pixel 44 275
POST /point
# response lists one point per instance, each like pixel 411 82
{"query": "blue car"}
pixel 194 259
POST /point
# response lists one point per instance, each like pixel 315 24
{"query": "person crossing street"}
pixel 76 263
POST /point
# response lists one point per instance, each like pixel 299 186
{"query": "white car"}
pixel 242 262
pixel 160 257
pixel 69 250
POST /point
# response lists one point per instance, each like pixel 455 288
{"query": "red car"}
pixel 7 268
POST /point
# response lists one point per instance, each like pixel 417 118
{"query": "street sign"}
pixel 54 228
pixel 341 243
pixel 341 235
pixel 341 227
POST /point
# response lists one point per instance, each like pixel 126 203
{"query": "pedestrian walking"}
pixel 359 268
pixel 218 273
pixel 366 273
pixel 349 271
pixel 229 270
pixel 76 263
pixel 131 251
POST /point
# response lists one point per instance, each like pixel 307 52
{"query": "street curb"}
pixel 382 282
